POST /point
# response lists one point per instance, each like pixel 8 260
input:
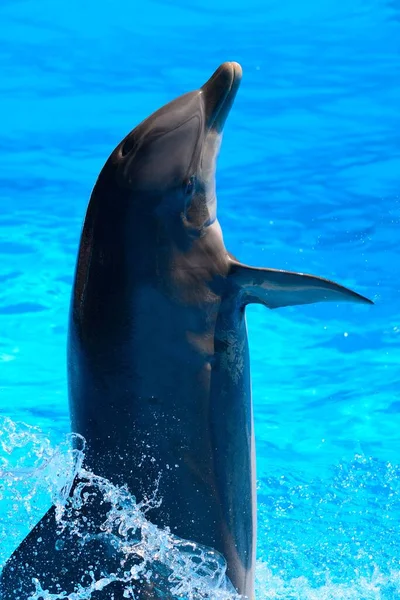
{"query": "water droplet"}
pixel 60 544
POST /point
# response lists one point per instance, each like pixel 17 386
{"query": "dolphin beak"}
pixel 219 93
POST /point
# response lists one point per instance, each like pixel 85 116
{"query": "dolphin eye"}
pixel 189 186
pixel 127 147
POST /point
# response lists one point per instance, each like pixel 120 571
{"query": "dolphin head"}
pixel 167 163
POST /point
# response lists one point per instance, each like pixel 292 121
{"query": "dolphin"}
pixel 158 357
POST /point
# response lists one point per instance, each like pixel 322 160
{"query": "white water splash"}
pixel 377 587
pixel 300 524
pixel 31 466
pixel 34 473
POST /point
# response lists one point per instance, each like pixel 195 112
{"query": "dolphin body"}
pixel 158 360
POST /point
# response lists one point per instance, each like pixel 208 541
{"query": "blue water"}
pixel 308 180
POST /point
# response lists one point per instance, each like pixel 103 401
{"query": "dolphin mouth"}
pixel 219 93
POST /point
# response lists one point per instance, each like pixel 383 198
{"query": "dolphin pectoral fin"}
pixel 274 288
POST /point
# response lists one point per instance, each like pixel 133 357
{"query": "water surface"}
pixel 308 180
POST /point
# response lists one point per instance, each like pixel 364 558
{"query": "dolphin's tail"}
pixel 61 563
pixel 37 560
pixel 55 561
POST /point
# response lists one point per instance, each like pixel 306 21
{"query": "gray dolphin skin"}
pixel 158 359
